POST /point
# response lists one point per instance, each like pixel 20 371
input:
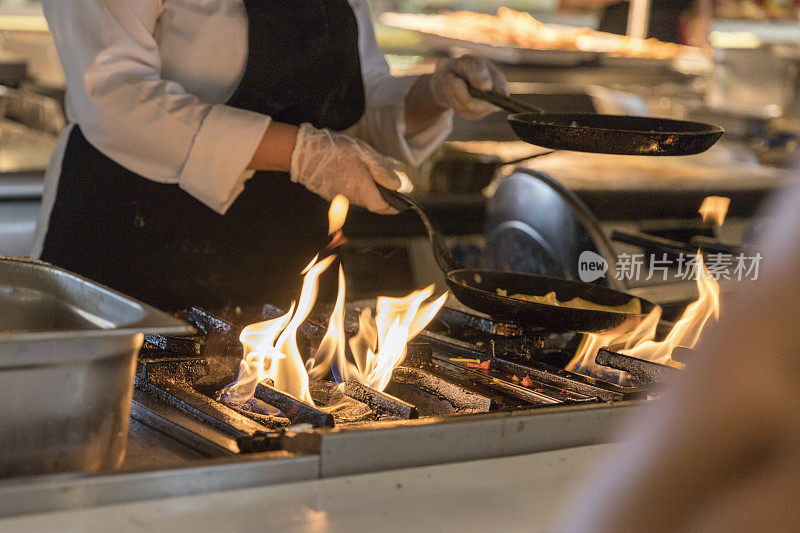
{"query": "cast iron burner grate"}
pixel 462 364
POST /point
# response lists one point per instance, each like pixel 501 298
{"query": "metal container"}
pixel 68 350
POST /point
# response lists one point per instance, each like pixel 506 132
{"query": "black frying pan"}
pixel 477 289
pixel 604 134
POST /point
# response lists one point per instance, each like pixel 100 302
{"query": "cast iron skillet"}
pixel 477 289
pixel 604 134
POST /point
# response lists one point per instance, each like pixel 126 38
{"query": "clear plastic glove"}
pixel 450 90
pixel 328 163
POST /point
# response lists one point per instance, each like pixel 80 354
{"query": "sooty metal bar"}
pixel 208 322
pixel 178 370
pixel 644 371
pixel 380 402
pixel 307 327
pixel 183 346
pixel 418 354
pixel 459 397
pixel 295 410
pixel 252 411
pixel 561 379
pixel 209 411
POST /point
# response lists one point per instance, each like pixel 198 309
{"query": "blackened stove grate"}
pixel 463 364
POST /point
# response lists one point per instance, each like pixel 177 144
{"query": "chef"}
pixel 206 138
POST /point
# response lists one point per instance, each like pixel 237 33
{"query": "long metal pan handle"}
pixel 713 246
pixel 447 263
pixel 651 243
pixel 509 103
pixel 660 244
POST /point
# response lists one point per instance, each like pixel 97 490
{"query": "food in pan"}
pixel 634 306
pixel 520 29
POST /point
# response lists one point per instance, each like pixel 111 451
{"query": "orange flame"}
pixel 260 356
pixel 270 347
pixel 380 344
pixel 271 351
pixel 337 213
pixel 714 209
pixel 331 345
pixel 638 342
pixel 686 331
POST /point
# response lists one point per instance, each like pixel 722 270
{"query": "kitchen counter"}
pixel 522 493
pixel 170 473
pixel 24 155
pixel 23 152
pixel 722 166
pixel 625 198
pixel 635 188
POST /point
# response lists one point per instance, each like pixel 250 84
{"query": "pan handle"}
pixel 651 242
pixel 660 244
pixel 447 263
pixel 509 103
pixel 524 159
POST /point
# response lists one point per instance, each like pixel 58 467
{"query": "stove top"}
pixel 470 389
pixel 463 367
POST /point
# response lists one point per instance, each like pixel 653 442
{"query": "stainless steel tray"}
pixel 68 350
pixel 512 55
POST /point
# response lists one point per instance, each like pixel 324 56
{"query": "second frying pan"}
pixel 478 289
pixel 604 134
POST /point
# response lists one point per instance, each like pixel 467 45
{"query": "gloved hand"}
pixel 450 90
pixel 328 163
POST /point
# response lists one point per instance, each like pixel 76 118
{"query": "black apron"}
pixel 157 243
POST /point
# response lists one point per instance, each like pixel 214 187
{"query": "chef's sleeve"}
pixel 147 124
pixel 383 124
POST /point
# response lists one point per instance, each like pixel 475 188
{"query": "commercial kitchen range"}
pixel 477 403
pixel 477 409
pixel 472 391
pixel 481 425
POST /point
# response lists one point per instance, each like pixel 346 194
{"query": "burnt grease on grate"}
pixel 187 375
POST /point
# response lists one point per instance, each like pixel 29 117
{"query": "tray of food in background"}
pixel 516 37
pixel 496 37
pixel 652 53
pixel 512 55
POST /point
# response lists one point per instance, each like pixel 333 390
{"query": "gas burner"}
pixel 463 364
pixel 458 317
pixel 505 340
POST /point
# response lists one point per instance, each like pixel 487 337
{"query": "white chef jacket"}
pixel 147 81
